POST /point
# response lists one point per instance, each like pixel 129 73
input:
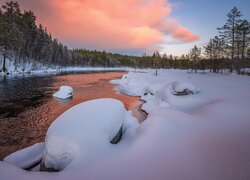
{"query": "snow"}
pixel 179 87
pixel 26 157
pixel 82 133
pixel 197 136
pixel 245 70
pixel 64 92
pixel 130 87
pixel 32 67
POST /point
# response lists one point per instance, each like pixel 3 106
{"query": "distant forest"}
pixel 22 40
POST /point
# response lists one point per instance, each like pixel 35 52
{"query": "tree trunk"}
pixel 195 66
pixel 243 46
pixel 233 38
pixel 4 60
pixel 238 50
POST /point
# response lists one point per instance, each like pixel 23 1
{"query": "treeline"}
pixel 230 49
pixel 22 41
pixel 85 57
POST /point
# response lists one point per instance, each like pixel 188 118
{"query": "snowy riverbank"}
pixel 57 70
pixel 204 135
pixel 36 68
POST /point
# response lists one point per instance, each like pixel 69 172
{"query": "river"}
pixel 27 107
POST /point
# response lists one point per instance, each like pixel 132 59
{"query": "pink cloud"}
pixel 110 24
pixel 179 33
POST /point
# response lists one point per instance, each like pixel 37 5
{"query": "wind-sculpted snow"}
pixel 202 135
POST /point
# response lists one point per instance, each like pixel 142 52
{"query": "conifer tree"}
pixel 10 33
pixel 229 30
pixel 243 33
pixel 195 55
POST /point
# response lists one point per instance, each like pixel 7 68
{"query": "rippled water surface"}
pixel 27 107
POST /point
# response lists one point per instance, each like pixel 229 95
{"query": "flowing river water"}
pixel 27 107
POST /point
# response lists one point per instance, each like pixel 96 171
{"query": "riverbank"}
pixel 202 134
pixel 61 70
pixel 28 108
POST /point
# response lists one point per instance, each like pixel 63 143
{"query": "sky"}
pixel 134 26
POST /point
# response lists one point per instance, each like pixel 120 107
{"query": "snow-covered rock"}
pixel 26 157
pixel 153 88
pixel 83 132
pixel 128 85
pixel 183 88
pixel 152 105
pixel 64 92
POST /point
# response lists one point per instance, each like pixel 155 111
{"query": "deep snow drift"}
pixel 203 135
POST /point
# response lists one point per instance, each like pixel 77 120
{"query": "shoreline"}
pixel 59 71
pixel 51 108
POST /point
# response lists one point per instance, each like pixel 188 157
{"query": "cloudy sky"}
pixel 133 26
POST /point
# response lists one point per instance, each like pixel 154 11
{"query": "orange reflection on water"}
pixel 30 126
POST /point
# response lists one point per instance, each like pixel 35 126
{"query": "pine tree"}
pixel 195 55
pixel 28 27
pixel 156 61
pixel 208 49
pixel 10 33
pixel 244 32
pixel 229 30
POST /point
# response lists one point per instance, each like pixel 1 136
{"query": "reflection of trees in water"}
pixel 20 93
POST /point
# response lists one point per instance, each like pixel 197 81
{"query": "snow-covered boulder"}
pixel 27 157
pixel 153 88
pixel 130 85
pixel 176 88
pixel 83 132
pixel 183 88
pixel 64 92
pixel 153 105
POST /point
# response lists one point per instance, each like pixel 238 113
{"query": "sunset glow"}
pixel 110 24
pixel 124 89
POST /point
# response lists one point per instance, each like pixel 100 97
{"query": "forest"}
pixel 22 40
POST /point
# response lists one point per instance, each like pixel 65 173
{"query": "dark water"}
pixel 27 107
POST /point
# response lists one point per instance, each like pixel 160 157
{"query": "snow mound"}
pixel 152 105
pixel 83 132
pixel 64 92
pixel 183 88
pixel 26 157
pixel 129 85
pixel 153 88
